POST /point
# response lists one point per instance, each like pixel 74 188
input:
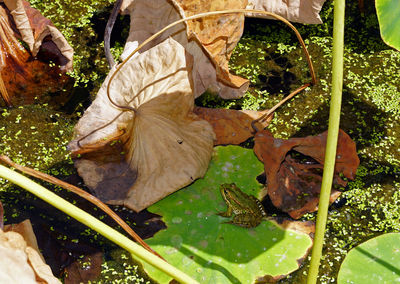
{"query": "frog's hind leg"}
pixel 245 220
pixel 227 213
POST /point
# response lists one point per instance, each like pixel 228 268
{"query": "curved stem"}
pixel 92 199
pixel 331 143
pixel 137 251
pixel 202 15
pixel 271 111
pixel 107 33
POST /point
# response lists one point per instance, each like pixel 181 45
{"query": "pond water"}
pixel 270 57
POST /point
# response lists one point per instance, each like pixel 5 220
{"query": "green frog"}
pixel 247 210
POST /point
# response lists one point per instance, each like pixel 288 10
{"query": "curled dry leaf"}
pixel 306 12
pixel 140 156
pixel 293 185
pixel 210 40
pixel 37 31
pixel 21 261
pixel 232 127
pixel 26 74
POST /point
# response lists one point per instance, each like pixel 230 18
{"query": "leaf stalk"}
pixel 331 144
pixel 136 251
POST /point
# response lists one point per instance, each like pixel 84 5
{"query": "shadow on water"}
pixel 366 126
pixel 206 264
pixel 361 28
pixel 359 119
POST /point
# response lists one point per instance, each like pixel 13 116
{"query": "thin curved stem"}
pixel 271 111
pixel 107 33
pixel 92 199
pixel 201 15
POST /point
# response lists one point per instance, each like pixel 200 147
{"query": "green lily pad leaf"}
pixel 388 12
pixel 374 261
pixel 200 244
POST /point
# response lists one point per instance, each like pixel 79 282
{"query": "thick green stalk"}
pixel 331 144
pixel 137 251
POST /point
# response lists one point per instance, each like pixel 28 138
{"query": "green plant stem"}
pixel 137 251
pixel 331 144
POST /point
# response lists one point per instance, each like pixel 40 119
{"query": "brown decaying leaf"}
pixel 218 34
pixel 46 37
pixel 232 127
pixel 164 145
pixel 24 76
pixel 210 41
pixel 21 261
pixel 292 185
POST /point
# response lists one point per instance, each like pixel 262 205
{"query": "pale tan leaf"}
pixel 17 10
pixel 164 145
pixel 300 11
pixel 21 261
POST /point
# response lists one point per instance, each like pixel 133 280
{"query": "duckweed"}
pixel 270 57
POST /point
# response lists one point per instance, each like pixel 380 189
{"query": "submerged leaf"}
pixel 210 40
pixel 158 147
pixel 199 243
pixel 86 269
pixel 293 184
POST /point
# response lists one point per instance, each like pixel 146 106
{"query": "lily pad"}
pixel 199 243
pixel 388 12
pixel 374 261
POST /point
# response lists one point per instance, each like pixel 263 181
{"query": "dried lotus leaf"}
pixel 163 147
pixel 217 34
